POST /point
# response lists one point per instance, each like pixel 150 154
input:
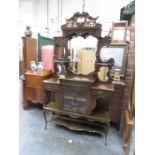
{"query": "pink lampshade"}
pixel 47 54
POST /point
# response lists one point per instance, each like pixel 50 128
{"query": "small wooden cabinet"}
pixel 33 86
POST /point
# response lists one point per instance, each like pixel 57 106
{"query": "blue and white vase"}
pixel 33 66
pixel 40 66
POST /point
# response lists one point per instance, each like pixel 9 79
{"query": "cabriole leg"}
pixel 44 113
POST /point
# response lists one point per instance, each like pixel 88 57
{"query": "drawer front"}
pixel 79 106
pixel 33 81
pixel 75 84
pixel 49 86
pixel 100 92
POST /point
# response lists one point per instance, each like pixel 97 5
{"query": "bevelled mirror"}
pixel 82 54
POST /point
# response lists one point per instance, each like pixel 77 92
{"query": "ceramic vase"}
pixel 40 66
pixel 33 65
pixel 28 32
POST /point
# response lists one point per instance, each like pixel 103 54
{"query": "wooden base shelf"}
pixel 98 122
pixel 73 124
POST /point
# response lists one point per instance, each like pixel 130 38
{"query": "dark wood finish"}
pixel 73 97
pixel 83 28
pixel 113 91
pixel 33 86
pixel 99 120
pixel 29 52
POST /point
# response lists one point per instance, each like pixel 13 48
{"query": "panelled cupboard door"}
pixel 75 99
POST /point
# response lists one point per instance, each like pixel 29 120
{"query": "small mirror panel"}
pixel 102 74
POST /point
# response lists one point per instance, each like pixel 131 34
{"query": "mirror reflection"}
pixel 102 74
pixel 82 54
pixel 113 52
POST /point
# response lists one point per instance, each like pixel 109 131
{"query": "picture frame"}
pixel 120 32
pixel 119 53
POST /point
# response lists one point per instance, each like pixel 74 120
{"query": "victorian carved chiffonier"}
pixel 82 94
pixel 33 86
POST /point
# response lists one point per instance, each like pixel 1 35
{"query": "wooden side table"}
pixel 33 90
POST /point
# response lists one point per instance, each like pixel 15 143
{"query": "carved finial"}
pixel 83 5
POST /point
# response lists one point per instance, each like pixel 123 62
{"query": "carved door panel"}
pixel 75 99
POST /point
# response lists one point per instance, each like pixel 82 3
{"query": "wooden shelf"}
pixel 73 124
pixel 97 115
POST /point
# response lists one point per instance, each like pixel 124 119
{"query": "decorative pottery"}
pixel 28 32
pixel 40 66
pixel 33 65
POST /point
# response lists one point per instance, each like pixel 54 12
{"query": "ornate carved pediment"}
pixel 81 24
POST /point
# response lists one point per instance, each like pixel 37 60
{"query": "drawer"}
pixel 49 86
pixel 33 81
pixel 75 83
pixel 100 92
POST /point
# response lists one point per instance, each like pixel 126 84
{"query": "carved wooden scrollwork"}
pixel 81 24
pixel 105 41
pixel 109 64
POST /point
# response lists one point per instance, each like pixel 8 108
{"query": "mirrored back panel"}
pixel 82 53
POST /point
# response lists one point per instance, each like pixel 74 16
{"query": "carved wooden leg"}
pixel 44 113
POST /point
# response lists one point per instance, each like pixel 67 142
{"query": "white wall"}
pixel 34 13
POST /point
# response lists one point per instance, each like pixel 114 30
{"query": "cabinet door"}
pixel 75 99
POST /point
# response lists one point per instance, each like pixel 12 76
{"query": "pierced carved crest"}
pixel 82 24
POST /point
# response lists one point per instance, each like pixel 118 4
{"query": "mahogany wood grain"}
pixel 33 86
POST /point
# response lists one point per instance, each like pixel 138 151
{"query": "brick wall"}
pixel 130 69
pixel 130 62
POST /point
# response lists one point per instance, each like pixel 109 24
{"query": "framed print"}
pixel 119 54
pixel 119 31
